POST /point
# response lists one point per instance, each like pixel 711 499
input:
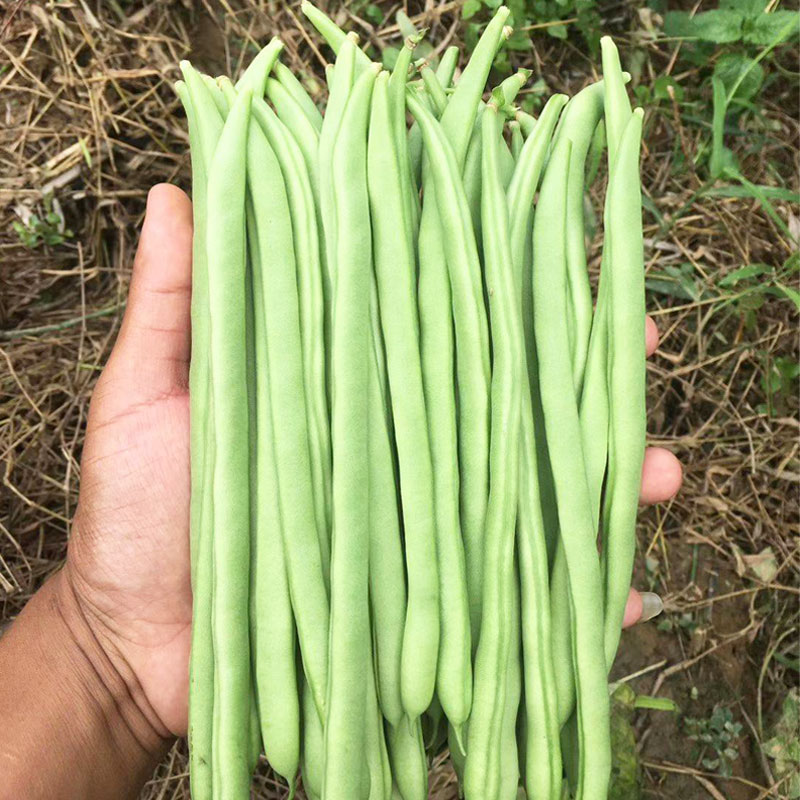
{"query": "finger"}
pixel 641 607
pixel 650 336
pixel 662 475
pixel 155 335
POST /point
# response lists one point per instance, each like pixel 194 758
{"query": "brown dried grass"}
pixel 89 112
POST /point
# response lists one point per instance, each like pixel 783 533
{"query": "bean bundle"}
pixel 411 426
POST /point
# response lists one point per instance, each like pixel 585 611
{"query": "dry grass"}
pixel 89 113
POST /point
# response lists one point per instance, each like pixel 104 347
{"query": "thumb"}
pixel 151 355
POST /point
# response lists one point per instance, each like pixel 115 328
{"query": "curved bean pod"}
pixel 482 775
pixel 275 279
pixel 225 247
pixel 309 279
pixel 394 270
pixel 201 672
pixel 255 76
pixel 472 345
pixel 572 492
pixel 349 628
pixel 626 380
pixel 408 760
pixel 332 33
pixel 289 81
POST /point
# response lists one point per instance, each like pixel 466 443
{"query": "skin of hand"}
pixel 128 561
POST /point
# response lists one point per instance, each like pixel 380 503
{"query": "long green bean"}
pixel 471 339
pixel 309 279
pixel 572 493
pixel 394 269
pixel 201 678
pixel 349 631
pixel 626 380
pixel 255 76
pixel 289 81
pixel 278 285
pixel 482 776
pixel 332 33
pixel 225 247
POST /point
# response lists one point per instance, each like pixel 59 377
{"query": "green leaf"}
pixel 557 31
pixel 741 274
pixel 661 88
pixel 374 14
pixel 470 8
pixel 716 26
pixel 519 40
pixel 749 8
pixel 772 192
pixel 772 29
pixel 735 68
pixel 791 294
pixel 718 159
pixel 389 57
pixel 655 703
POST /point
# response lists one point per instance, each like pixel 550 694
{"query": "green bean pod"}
pixel 397 100
pixel 291 83
pixel 332 33
pixel 517 139
pixel 255 76
pixel 312 754
pixel 349 628
pixel 527 122
pixel 447 66
pixel 537 517
pixel 387 584
pixel 225 247
pixel 434 89
pixel 484 765
pixel 309 279
pixel 275 277
pixel 509 745
pixel 472 345
pixel 339 93
pixel 395 273
pixel 436 326
pixel 408 760
pixel 201 673
pixel 626 380
pixel 566 458
pixel 580 118
pixel 291 114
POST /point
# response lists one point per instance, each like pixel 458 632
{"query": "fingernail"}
pixel 652 606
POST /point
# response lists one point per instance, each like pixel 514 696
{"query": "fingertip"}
pixel 650 335
pixel 662 475
pixel 633 609
pixel 170 202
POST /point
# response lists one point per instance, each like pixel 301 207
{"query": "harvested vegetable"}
pixel 417 438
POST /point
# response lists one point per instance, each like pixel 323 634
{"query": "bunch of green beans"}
pixel 416 435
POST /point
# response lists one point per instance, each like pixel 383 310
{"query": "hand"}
pixel 128 561
pixel 661 479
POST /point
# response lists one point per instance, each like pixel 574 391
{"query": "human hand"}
pixel 128 560
pixel 661 478
pixel 128 563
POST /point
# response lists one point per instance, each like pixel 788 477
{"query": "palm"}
pixel 129 556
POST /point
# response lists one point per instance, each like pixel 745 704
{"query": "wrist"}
pixel 72 726
pixel 103 670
